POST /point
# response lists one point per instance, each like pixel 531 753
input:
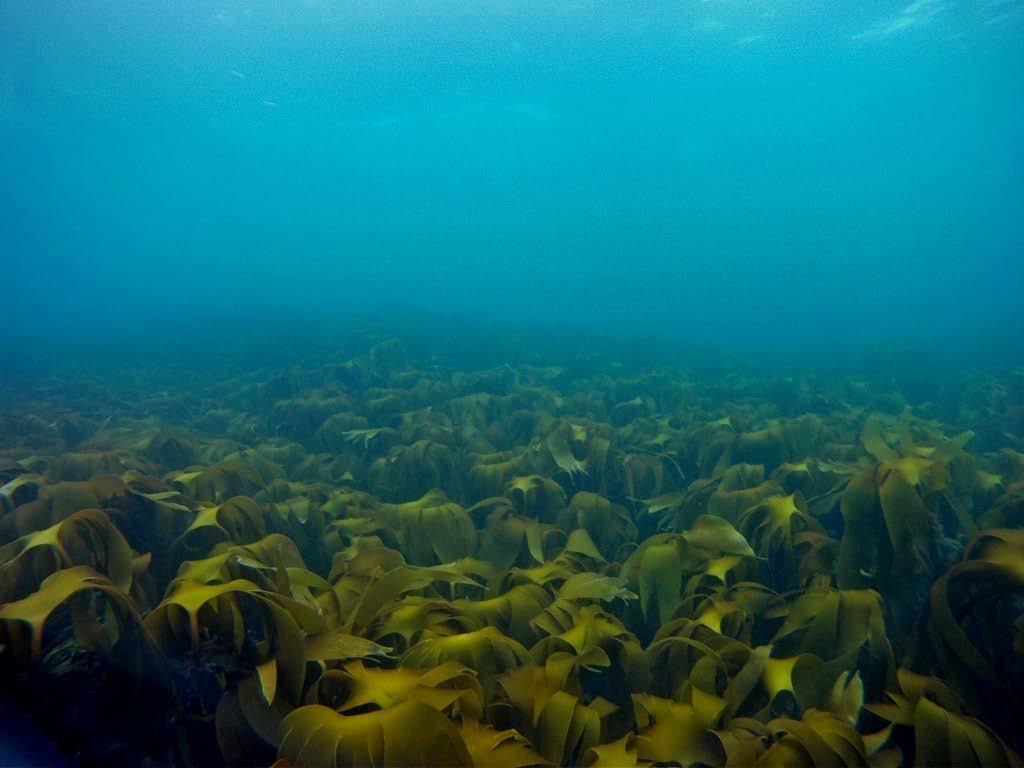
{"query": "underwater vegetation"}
pixel 389 562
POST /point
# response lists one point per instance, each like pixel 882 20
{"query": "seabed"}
pixel 384 560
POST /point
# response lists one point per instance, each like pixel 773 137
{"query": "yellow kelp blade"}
pixel 408 735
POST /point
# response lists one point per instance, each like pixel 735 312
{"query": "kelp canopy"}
pixel 379 562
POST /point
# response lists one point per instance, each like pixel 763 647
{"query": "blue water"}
pixel 750 176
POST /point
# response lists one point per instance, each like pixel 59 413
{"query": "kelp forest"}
pixel 384 559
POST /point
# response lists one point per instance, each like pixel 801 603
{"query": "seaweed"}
pixel 390 562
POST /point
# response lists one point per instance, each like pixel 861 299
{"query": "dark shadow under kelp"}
pixel 380 560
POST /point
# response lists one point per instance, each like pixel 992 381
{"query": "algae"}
pixel 383 561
